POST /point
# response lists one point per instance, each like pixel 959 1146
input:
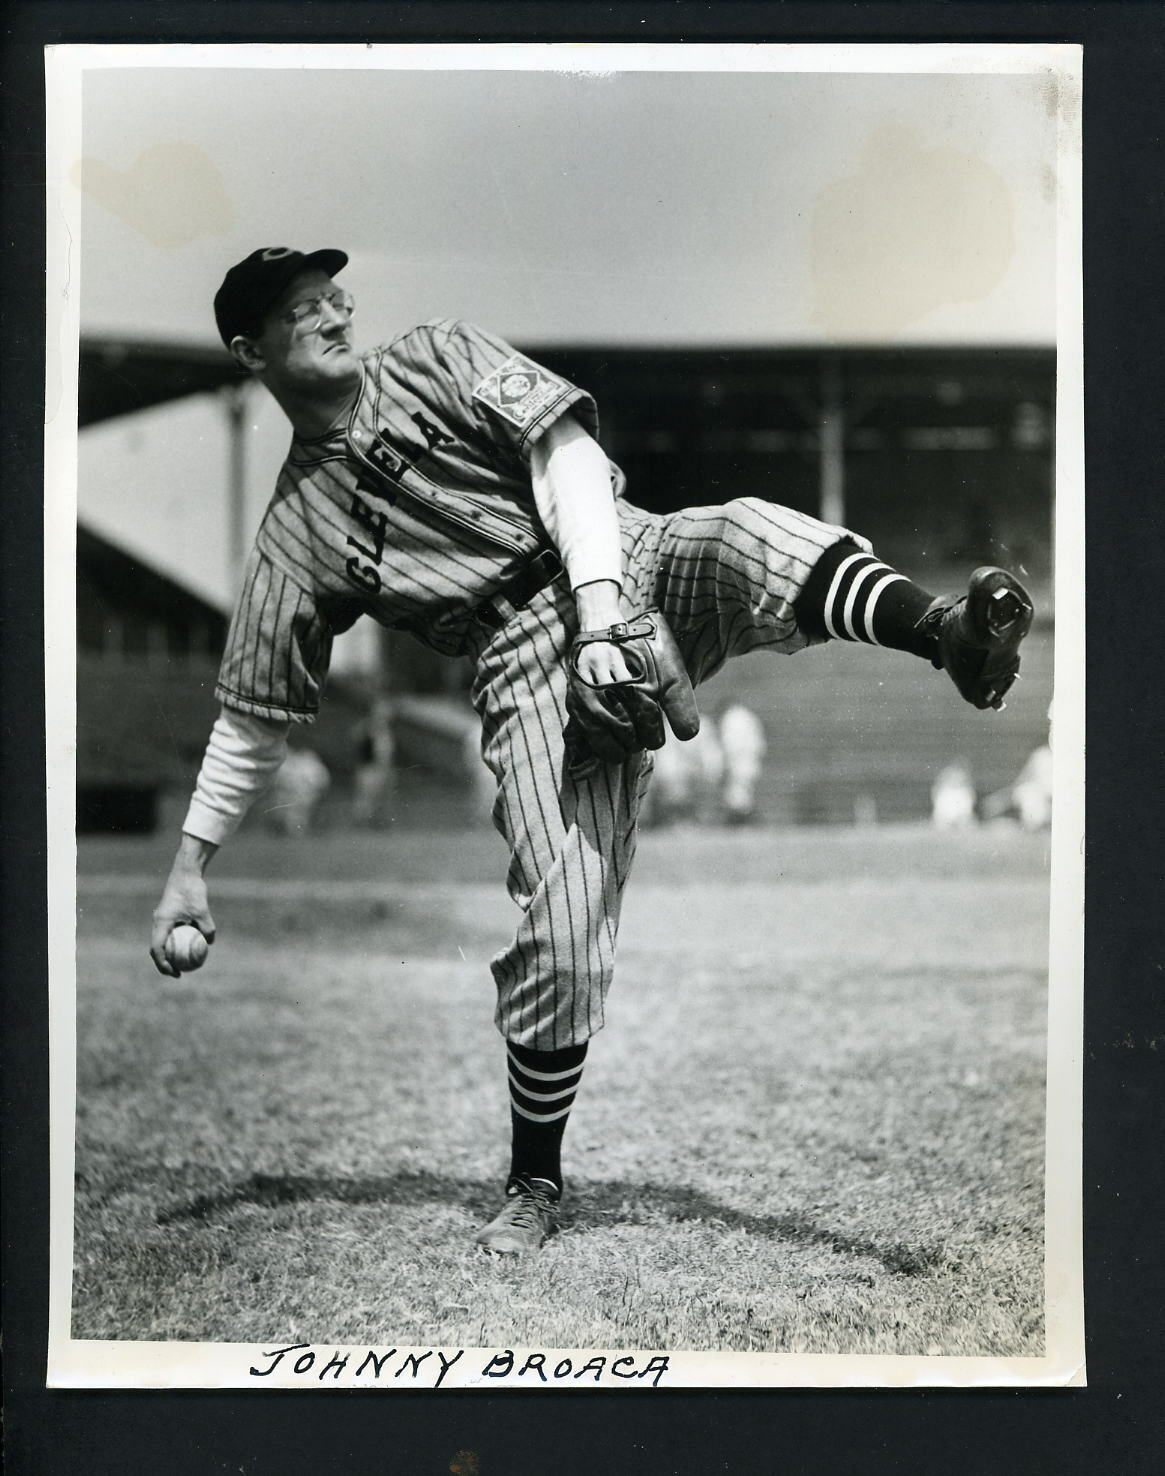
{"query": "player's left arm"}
pixel 625 674
pixel 571 477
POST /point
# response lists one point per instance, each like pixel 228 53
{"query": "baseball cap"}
pixel 250 287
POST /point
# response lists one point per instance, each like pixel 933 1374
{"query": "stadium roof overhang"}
pixel 119 374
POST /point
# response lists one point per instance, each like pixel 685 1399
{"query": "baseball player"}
pixel 743 744
pixel 448 485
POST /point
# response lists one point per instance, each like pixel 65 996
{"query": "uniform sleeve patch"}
pixel 519 389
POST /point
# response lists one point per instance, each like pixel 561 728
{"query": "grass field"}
pixel 813 1124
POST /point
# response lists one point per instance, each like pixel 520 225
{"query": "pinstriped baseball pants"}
pixel 726 578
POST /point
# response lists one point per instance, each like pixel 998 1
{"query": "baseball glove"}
pixel 611 720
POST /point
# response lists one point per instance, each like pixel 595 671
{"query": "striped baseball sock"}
pixel 853 596
pixel 542 1088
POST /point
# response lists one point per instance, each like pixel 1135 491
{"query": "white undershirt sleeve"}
pixel 242 757
pixel 571 477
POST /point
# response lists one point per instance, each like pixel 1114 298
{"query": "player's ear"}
pixel 247 353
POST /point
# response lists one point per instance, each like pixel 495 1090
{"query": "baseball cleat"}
pixel 528 1218
pixel 977 636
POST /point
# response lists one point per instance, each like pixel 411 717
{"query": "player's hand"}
pixel 603 667
pixel 623 682
pixel 602 663
pixel 599 604
pixel 184 900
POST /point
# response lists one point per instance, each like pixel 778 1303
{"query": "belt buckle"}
pixel 487 616
pixel 548 562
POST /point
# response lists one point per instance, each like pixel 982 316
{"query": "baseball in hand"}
pixel 186 948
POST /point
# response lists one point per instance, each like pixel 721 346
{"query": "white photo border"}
pixel 76 1363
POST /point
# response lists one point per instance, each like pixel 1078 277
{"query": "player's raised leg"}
pixel 975 637
pixel 751 575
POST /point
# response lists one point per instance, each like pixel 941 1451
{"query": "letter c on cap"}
pixel 273 253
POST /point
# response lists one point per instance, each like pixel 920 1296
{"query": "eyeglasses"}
pixel 306 316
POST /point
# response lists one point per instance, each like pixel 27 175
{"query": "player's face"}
pixel 311 352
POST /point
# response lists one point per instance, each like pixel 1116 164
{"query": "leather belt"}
pixel 533 577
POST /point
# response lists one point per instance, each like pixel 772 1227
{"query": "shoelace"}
pixel 526 1206
pixel 930 621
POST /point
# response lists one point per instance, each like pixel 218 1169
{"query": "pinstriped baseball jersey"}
pixel 414 513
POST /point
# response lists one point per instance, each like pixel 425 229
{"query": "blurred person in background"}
pixel 743 744
pixel 685 783
pixel 298 787
pixel 1028 798
pixel 374 775
pixel 952 798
